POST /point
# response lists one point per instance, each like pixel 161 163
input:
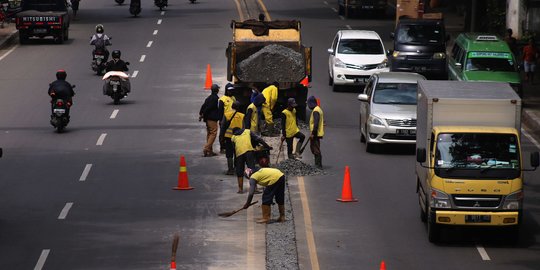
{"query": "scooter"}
pixel 161 4
pixel 99 61
pixel 135 7
pixel 116 86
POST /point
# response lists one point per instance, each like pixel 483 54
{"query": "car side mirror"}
pixel 363 97
pixel 458 65
pixel 420 155
pixel 331 51
pixel 392 35
pixel 535 161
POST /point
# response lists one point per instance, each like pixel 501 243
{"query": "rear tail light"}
pixel 59 103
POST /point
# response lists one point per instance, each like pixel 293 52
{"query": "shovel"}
pixel 304 147
pixel 228 214
pixel 279 152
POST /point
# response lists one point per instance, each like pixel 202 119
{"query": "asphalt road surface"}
pixel 98 196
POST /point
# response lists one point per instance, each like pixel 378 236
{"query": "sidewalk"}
pixel 7 33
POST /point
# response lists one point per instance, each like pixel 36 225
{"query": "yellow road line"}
pixel 239 9
pixel 266 14
pixel 307 223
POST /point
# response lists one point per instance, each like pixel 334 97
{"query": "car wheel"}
pixel 335 87
pixel 330 80
pixel 362 137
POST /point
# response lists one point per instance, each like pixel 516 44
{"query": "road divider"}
pixel 114 113
pixel 101 139
pixel 65 210
pixel 183 182
pixel 42 258
pixel 85 172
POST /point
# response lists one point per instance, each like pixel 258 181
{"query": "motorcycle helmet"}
pixel 116 54
pixel 61 74
pixel 99 29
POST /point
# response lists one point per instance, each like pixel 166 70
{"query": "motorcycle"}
pixel 161 4
pixel 135 7
pixel 116 85
pixel 99 61
pixel 119 1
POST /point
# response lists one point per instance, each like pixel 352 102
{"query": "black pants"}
pixel 315 145
pixel 277 190
pixel 246 158
pixel 301 137
pixel 229 148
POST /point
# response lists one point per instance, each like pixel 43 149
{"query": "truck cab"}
pixel 42 18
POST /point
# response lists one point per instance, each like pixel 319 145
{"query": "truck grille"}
pixel 477 201
pixel 401 122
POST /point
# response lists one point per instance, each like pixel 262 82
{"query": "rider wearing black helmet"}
pixel 61 89
pixel 117 64
pixel 100 41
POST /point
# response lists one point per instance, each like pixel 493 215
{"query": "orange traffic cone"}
pixel 208 83
pixel 183 183
pixel 173 265
pixel 383 266
pixel 346 193
pixel 305 82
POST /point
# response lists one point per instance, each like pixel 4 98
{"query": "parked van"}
pixel 483 57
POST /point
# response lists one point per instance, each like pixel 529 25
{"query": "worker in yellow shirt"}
pixel 231 119
pixel 290 129
pixel 316 128
pixel 274 182
pixel 243 141
pixel 251 119
pixel 270 94
pixel 224 105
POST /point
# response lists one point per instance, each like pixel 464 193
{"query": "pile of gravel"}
pixel 301 124
pixel 298 168
pixel 272 63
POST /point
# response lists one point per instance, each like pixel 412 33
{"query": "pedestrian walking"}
pixel 251 120
pixel 270 94
pixel 512 42
pixel 530 56
pixel 225 105
pixel 274 182
pixel 231 119
pixel 210 114
pixel 290 130
pixel 244 141
pixel 75 7
pixel 316 128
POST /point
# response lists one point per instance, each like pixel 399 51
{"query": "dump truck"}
pixel 264 52
pixel 469 164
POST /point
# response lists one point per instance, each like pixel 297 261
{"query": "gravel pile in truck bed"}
pixel 272 63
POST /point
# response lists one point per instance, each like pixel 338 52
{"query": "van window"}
pixel 420 34
pixel 489 61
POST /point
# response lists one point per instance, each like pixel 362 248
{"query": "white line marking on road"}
pixel 326 3
pixel 142 58
pixel 334 9
pixel 531 138
pixel 348 27
pixel 42 259
pixel 114 113
pixel 149 44
pixel 155 32
pixel 135 73
pixel 483 253
pixel 8 52
pixel 159 21
pixel 101 139
pixel 85 172
pixel 65 211
pixel 341 17
pixel 162 13
pixel 310 238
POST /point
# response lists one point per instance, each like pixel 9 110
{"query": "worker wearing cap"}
pixel 251 120
pixel 225 104
pixel 290 129
pixel 270 94
pixel 231 119
pixel 243 141
pixel 316 128
pixel 274 182
pixel 210 114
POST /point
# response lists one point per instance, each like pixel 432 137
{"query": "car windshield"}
pixel 395 93
pixel 477 153
pixel 420 34
pixel 360 46
pixel 485 61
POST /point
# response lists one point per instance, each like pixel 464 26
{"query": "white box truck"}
pixel 469 166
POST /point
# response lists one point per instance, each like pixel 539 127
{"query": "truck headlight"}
pixel 439 199
pixel 374 120
pixel 513 201
pixel 339 64
pixel 439 55
pixel 384 64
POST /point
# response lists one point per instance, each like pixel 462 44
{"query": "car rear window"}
pixel 360 46
pixel 395 93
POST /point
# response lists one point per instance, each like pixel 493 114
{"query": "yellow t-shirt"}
pixel 242 142
pixel 290 123
pixel 267 176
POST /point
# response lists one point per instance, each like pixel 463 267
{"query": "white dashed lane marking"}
pixel 341 17
pixel 326 3
pixel 334 9
pixel 101 139
pixel 42 259
pixel 162 13
pixel 483 253
pixel 114 113
pixel 135 73
pixel 155 32
pixel 85 172
pixel 348 27
pixel 149 44
pixel 65 210
pixel 142 58
pixel 159 21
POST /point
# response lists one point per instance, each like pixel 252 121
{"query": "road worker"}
pixel 274 182
pixel 316 128
pixel 224 105
pixel 243 141
pixel 270 94
pixel 290 130
pixel 251 120
pixel 231 119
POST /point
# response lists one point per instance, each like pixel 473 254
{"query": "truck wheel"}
pixel 59 39
pixel 433 230
pixel 66 34
pixel 23 38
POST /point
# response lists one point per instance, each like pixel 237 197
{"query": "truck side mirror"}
pixel 331 51
pixel 535 161
pixel 392 35
pixel 420 155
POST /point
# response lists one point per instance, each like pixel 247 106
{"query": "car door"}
pixel 332 56
pixel 365 106
pixel 452 68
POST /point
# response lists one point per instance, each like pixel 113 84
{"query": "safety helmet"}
pixel 61 74
pixel 99 29
pixel 116 54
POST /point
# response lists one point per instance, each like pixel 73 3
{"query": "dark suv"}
pixel 420 46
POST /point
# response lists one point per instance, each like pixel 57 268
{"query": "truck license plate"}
pixel 59 110
pixel 406 132
pixel 40 31
pixel 477 219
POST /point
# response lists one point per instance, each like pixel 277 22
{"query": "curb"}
pixel 532 121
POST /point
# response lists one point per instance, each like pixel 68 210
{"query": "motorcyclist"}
pixel 100 41
pixel 117 64
pixel 61 89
